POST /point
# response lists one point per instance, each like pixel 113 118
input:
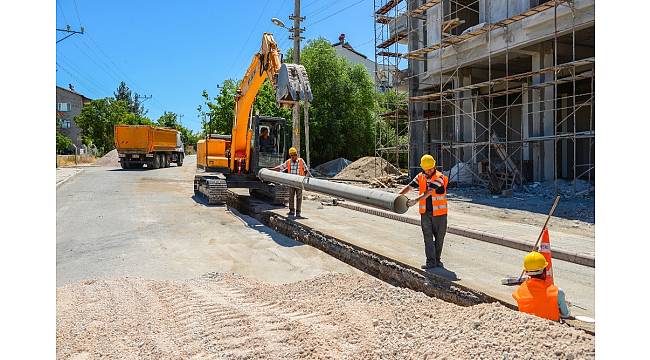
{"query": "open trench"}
pixel 379 266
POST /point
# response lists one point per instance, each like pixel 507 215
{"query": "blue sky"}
pixel 173 50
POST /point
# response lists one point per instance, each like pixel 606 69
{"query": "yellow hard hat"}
pixel 293 151
pixel 534 262
pixel 427 162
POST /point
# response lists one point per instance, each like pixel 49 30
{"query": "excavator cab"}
pixel 268 143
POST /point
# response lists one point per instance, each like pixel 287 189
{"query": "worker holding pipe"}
pixel 296 166
pixel 432 187
pixel 538 296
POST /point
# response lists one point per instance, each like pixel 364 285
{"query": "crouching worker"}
pixel 538 296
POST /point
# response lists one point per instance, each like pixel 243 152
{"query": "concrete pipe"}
pixel 379 199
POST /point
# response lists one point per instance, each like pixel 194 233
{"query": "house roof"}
pixel 83 98
pixel 346 45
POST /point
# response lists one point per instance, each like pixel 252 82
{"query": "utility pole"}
pixel 295 138
pixel 70 32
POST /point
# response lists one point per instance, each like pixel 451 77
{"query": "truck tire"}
pixel 179 162
pixel 165 160
pixel 156 161
pixel 124 164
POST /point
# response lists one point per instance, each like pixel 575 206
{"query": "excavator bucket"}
pixel 292 85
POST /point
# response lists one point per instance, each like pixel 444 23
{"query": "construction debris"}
pixel 389 181
pixel 110 159
pixel 368 168
pixel 330 316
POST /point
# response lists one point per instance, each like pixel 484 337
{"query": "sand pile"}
pixel 368 168
pixel 331 316
pixel 110 159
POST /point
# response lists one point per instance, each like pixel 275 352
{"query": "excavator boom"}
pixel 289 81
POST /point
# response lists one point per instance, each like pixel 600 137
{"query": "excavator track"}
pixel 276 194
pixel 213 189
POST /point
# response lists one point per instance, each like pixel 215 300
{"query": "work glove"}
pixel 411 202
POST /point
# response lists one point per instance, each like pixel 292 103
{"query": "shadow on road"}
pixel 446 273
pixel 203 201
pixel 278 238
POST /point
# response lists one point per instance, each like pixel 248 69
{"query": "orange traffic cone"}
pixel 545 249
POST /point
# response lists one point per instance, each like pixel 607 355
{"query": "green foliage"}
pixel 218 114
pixel 63 143
pixel 97 118
pixel 342 114
pixel 133 100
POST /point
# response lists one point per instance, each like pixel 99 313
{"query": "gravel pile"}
pixel 110 159
pixel 368 168
pixel 331 316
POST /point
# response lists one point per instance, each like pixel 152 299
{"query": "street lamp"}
pixel 279 23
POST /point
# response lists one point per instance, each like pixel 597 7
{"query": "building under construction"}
pixel 501 92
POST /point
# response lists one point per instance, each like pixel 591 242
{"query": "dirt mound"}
pixel 110 159
pixel 368 168
pixel 331 316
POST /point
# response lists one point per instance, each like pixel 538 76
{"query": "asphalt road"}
pixel 146 223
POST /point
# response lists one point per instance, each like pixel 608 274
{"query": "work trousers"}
pixel 298 194
pixel 433 227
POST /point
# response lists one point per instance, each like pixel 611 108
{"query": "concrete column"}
pixel 564 144
pixel 417 128
pixel 535 130
pixel 525 132
pixel 467 117
pixel 548 119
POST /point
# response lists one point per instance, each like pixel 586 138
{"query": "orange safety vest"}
pixel 439 201
pixel 537 297
pixel 301 167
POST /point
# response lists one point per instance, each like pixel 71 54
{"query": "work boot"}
pixel 427 266
pixel 440 264
pixel 298 214
pixel 290 213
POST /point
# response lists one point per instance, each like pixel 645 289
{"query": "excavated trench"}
pixel 381 267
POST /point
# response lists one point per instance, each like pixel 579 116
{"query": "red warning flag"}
pixel 545 249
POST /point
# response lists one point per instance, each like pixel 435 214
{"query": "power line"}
pixel 336 12
pixel 241 49
pixel 77 11
pixel 69 64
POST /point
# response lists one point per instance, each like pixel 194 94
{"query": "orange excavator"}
pixel 256 142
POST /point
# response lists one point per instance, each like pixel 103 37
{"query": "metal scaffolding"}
pixel 391 137
pixel 481 99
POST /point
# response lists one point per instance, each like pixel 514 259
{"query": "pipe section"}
pixel 379 199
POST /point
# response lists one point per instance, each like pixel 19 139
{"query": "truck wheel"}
pixel 124 165
pixel 179 162
pixel 167 159
pixel 156 161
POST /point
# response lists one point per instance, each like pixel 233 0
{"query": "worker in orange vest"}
pixel 432 199
pixel 296 166
pixel 537 296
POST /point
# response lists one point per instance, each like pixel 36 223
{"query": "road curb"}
pixel 68 178
pixel 560 254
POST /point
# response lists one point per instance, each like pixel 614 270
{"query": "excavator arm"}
pixel 289 81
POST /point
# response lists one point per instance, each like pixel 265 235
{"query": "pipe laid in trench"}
pixel 376 198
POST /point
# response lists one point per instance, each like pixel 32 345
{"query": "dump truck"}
pixel 226 161
pixel 156 147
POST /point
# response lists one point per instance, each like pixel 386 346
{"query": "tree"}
pixel 63 143
pixel 343 112
pixel 98 117
pixel 134 104
pixel 220 111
